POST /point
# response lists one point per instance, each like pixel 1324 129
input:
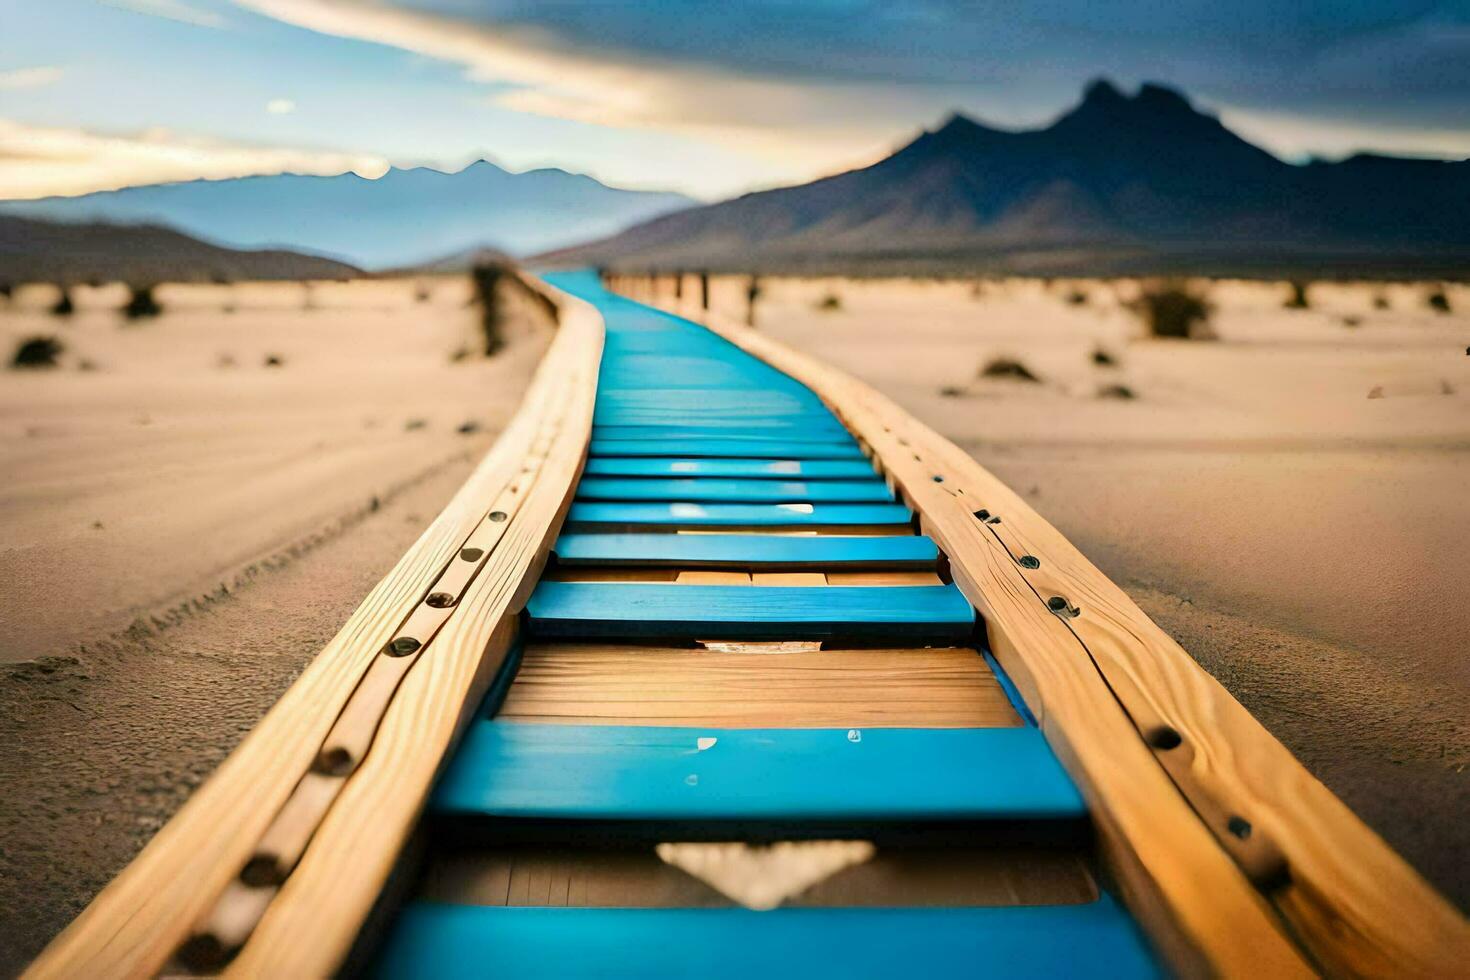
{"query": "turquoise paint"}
pixel 738 515
pixel 873 775
pixel 464 942
pixel 714 489
pixel 777 469
pixel 918 615
pixel 744 550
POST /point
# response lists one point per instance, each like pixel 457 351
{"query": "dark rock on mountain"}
pixel 1118 184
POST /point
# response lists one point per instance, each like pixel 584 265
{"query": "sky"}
pixel 708 97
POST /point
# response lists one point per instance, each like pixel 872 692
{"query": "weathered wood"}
pixel 139 920
pixel 591 684
pixel 637 878
pixel 1102 677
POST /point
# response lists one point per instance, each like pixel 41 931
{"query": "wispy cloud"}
pixel 177 10
pixel 809 125
pixel 280 107
pixel 42 161
pixel 38 77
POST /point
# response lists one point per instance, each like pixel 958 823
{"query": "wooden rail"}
pixel 1236 859
pixel 355 744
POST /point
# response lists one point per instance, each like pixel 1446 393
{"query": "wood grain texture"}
pixel 590 684
pixel 136 923
pixel 637 878
pixel 1100 674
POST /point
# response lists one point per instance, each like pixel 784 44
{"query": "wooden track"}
pixel 731 524
pixel 1227 848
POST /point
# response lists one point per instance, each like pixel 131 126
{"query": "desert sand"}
pixel 185 525
pixel 1291 501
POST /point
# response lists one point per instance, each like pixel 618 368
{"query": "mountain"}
pixel 32 250
pixel 403 217
pixel 1118 184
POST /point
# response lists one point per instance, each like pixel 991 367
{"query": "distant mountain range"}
pixel 1141 183
pixel 402 218
pixel 32 250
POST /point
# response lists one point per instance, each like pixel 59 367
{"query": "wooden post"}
pixel 679 287
pixel 752 293
pixel 704 290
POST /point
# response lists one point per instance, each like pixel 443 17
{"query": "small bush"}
pixel 1077 298
pixel 1438 301
pixel 142 303
pixel 1116 391
pixel 830 302
pixel 1352 321
pixel 1380 302
pixel 1102 358
pixel 275 361
pixel 64 305
pixel 1006 367
pixel 37 352
pixel 1173 309
pixel 421 293
pixel 487 277
pixel 1298 299
pixel 951 391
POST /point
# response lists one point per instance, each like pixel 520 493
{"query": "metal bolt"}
pixel 439 600
pixel 498 516
pixel 402 646
pixel 1240 827
pixel 1029 561
pixel 1164 737
pixel 471 554
pixel 983 514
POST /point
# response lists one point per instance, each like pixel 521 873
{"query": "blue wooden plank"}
pixel 866 777
pixel 772 469
pixel 768 551
pixel 1038 942
pixel 734 491
pixel 674 515
pixel 740 430
pixel 916 614
pixel 736 448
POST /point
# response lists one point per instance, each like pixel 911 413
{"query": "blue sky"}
pixel 711 98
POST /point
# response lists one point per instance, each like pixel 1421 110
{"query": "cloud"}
pixel 280 107
pixel 177 10
pixel 22 78
pixel 809 125
pixel 40 162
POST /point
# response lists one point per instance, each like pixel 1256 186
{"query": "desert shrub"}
pixel 1173 309
pixel 487 277
pixel 1298 299
pixel 1438 301
pixel 37 352
pixel 1006 367
pixel 1077 297
pixel 63 305
pixel 275 361
pixel 1102 358
pixel 1352 321
pixel 951 391
pixel 421 293
pixel 830 302
pixel 1116 391
pixel 1380 301
pixel 141 303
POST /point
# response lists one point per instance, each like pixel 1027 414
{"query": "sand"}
pixel 181 537
pixel 1306 542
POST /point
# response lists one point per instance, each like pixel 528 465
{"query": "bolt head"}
pixel 402 646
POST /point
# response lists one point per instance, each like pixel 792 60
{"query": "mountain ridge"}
pixel 36 250
pixel 1117 183
pixel 406 216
